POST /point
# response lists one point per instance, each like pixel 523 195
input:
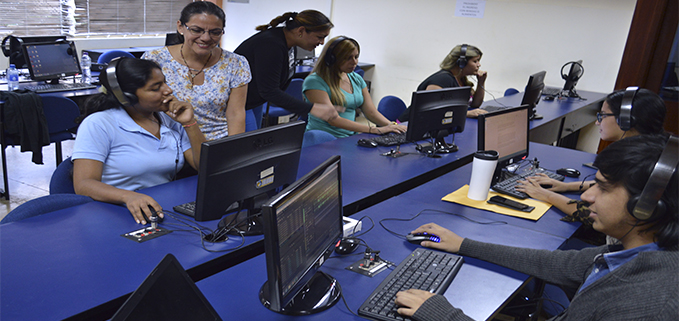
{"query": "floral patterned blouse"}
pixel 209 99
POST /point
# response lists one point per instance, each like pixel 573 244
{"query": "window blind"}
pixel 89 17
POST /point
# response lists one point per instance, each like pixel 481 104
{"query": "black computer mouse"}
pixel 568 172
pixel 417 238
pixel 153 213
pixel 366 143
pixel 347 245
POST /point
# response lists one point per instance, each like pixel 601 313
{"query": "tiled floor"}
pixel 26 179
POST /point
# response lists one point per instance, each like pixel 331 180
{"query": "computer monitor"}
pixel 302 224
pixel 303 54
pixel 572 77
pixel 168 293
pixel 172 38
pixel 531 97
pixel 11 47
pixel 505 131
pixel 247 168
pixel 51 60
pixel 437 114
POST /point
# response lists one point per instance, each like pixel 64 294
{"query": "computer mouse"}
pixel 417 238
pixel 153 213
pixel 549 98
pixel 347 245
pixel 568 172
pixel 366 143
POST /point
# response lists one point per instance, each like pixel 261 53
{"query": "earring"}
pixel 300 35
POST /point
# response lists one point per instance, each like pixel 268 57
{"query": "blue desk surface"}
pixel 479 289
pixel 60 264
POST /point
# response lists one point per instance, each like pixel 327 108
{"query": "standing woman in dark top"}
pixel 268 53
pixel 463 61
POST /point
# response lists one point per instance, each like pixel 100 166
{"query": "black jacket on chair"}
pixel 25 121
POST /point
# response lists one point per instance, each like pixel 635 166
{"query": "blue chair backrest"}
pixel 45 204
pixel 62 178
pixel 391 107
pixel 511 91
pixel 106 57
pixel 316 136
pixel 60 112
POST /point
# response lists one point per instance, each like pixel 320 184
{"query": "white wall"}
pixel 407 39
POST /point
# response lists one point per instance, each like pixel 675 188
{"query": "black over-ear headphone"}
pixel 462 59
pixel 625 119
pixel 330 57
pixel 126 99
pixel 648 206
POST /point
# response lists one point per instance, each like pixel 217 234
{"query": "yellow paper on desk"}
pixel 460 197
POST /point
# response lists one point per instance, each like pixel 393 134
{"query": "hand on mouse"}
pixel 138 205
pixel 450 241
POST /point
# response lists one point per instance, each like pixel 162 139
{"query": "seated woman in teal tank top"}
pixel 333 81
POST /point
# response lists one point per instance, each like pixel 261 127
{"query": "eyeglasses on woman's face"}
pixel 196 31
pixel 600 116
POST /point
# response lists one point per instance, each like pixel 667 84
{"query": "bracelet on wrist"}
pixel 191 124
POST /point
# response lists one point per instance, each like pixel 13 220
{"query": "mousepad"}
pixel 460 197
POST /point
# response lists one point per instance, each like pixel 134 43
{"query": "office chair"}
pixel 106 57
pixel 253 118
pixel 391 107
pixel 62 178
pixel 316 136
pixel 45 204
pixel 359 71
pixel 511 91
pixel 273 112
pixel 60 113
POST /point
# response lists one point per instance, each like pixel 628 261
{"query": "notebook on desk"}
pixel 168 293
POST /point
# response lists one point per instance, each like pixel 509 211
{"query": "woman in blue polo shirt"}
pixel 135 135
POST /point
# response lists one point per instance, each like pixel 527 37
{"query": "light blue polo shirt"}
pixel 614 260
pixel 133 158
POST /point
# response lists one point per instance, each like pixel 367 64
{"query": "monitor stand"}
pixel 320 293
pixel 250 222
pixel 439 146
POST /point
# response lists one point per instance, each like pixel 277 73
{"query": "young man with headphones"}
pixel 635 200
pixel 624 113
pixel 462 62
pixel 334 82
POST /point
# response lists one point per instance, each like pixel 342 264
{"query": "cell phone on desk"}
pixel 499 200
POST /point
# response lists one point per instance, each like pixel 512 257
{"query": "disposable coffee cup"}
pixel 483 168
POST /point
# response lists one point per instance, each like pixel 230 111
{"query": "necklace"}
pixel 191 74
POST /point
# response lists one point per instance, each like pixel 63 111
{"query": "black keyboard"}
pixel 507 186
pixel 186 209
pixel 551 91
pixel 390 139
pixel 424 269
pixel 48 88
pixel 494 108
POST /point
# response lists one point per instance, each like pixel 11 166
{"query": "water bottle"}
pixel 85 64
pixel 12 78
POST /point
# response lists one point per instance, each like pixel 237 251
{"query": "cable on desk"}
pixel 436 211
pixel 201 230
pixel 345 301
